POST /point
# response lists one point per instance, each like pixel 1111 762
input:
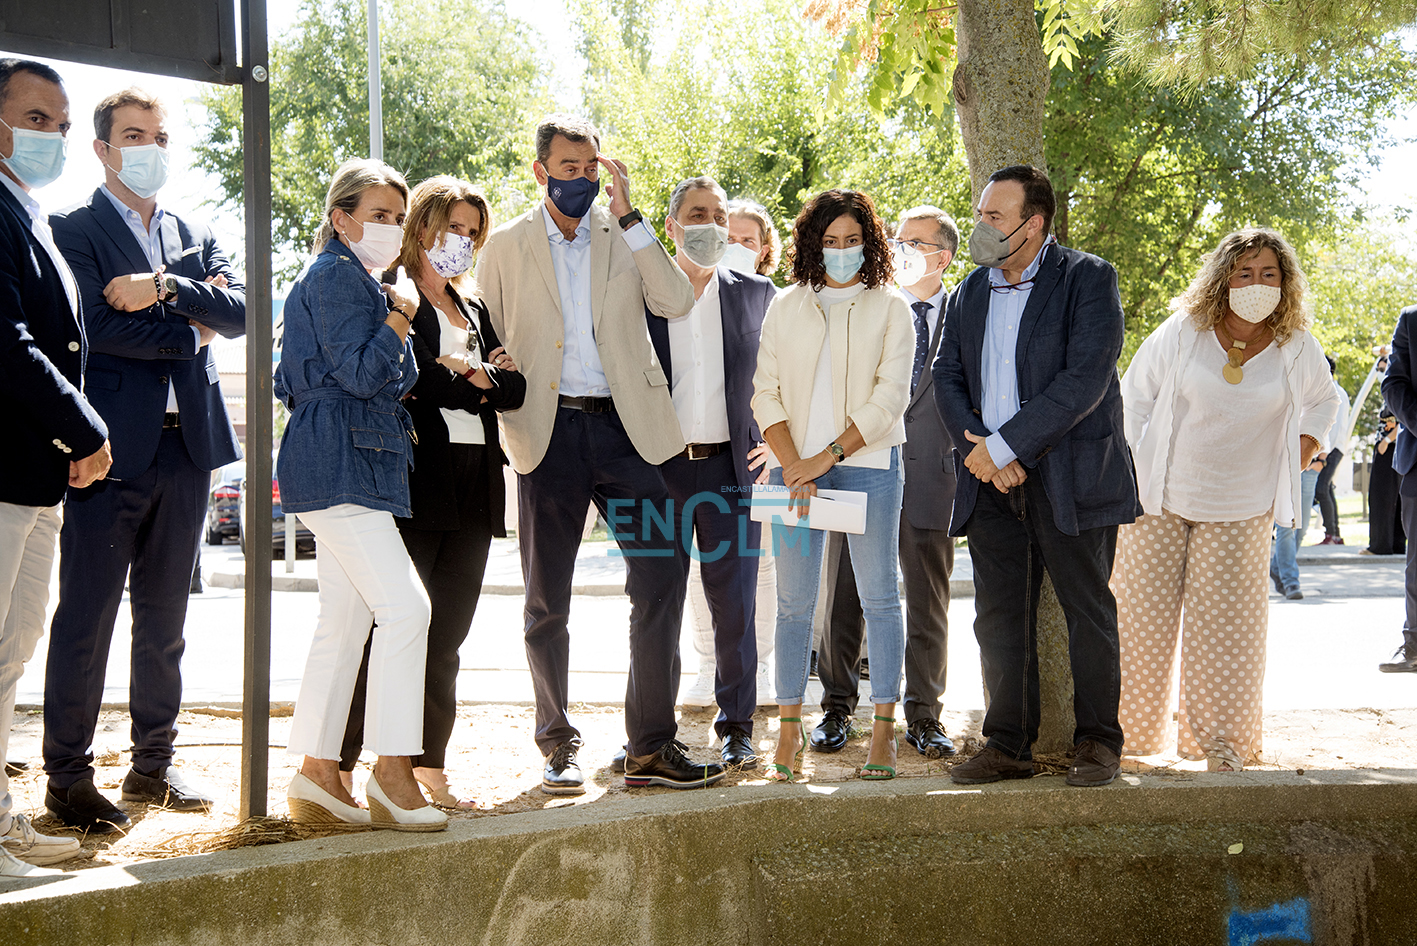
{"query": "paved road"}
pixel 1323 651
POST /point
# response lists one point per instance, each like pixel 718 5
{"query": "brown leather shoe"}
pixel 1093 765
pixel 991 765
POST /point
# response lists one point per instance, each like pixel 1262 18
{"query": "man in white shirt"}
pixel 710 355
pixel 53 438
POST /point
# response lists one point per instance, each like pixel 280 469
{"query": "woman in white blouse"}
pixel 831 387
pixel 1226 402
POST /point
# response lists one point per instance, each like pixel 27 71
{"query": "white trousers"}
pixel 28 537
pixel 366 577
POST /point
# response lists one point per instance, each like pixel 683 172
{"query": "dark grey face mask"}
pixel 989 246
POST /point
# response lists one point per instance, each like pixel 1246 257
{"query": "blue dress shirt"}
pixel 998 372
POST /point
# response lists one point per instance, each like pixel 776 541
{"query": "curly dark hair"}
pixel 805 256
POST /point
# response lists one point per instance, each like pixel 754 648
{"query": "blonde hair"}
pixel 751 210
pixel 1207 298
pixel 430 207
pixel 353 178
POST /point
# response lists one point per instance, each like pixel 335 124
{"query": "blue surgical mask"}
pixel 37 157
pixel 843 265
pixel 144 169
pixel 574 197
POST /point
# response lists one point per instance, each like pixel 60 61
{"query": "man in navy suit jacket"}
pixel 710 356
pixel 1400 394
pixel 156 291
pixel 1026 381
pixel 52 436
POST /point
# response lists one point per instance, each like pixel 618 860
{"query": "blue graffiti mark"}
pixel 1282 921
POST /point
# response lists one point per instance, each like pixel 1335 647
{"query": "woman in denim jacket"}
pixel 345 365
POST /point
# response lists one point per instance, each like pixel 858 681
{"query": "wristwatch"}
pixel 630 219
pixel 837 451
pixel 169 285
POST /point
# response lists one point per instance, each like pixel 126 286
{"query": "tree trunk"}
pixel 1000 86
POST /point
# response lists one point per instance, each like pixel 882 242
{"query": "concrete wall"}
pixel 1323 859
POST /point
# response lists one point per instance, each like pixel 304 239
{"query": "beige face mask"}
pixel 1255 302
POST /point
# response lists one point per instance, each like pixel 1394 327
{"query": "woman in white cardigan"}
pixel 1226 402
pixel 833 378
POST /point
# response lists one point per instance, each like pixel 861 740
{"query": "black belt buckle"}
pixel 170 419
pixel 702 451
pixel 590 405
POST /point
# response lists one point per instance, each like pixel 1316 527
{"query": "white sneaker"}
pixel 765 686
pixel 700 694
pixel 11 866
pixel 24 843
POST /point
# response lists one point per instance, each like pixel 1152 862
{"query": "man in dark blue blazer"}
pixel 710 356
pixel 52 436
pixel 1400 394
pixel 156 291
pixel 1026 381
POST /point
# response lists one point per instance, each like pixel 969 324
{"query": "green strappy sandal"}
pixel 879 773
pixel 780 772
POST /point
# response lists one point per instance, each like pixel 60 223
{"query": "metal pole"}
pixel 256 135
pixel 289 543
pixel 376 94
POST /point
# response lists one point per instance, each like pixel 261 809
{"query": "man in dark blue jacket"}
pixel 156 291
pixel 1400 394
pixel 710 355
pixel 1026 381
pixel 53 438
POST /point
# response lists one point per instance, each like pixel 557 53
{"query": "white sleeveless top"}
pixel 463 427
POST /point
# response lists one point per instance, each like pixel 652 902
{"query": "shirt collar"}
pixel 126 212
pixel 996 276
pixel 553 232
pixel 25 198
pixel 935 300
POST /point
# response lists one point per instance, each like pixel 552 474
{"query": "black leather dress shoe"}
pixel 832 732
pixel 166 790
pixel 81 806
pixel 737 751
pixel 670 767
pixel 562 775
pixel 929 739
pixel 617 761
pixel 1404 661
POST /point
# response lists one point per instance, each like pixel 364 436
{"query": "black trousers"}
pixel 927 558
pixel 1325 493
pixel 727 545
pixel 151 524
pixel 1386 535
pixel 451 564
pixel 1012 539
pixel 1408 492
pixel 590 459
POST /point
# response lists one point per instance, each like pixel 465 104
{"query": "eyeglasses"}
pixel 915 245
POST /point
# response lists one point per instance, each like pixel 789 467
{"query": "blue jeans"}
pixel 798 557
pixel 1283 560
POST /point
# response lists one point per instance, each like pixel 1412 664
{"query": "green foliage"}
pixel 462 91
pixel 739 96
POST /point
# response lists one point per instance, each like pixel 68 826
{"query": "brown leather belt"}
pixel 591 405
pixel 702 451
pixel 170 419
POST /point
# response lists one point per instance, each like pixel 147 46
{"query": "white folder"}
pixel 833 510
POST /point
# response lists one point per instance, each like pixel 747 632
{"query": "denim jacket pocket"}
pixel 381 464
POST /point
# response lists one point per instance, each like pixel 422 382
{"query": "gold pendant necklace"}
pixel 1234 371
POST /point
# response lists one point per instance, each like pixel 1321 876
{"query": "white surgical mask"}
pixel 740 259
pixel 453 256
pixel 704 244
pixel 37 157
pixel 379 246
pixel 144 169
pixel 1255 302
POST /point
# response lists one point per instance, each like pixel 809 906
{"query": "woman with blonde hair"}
pixel 456 488
pixel 346 363
pixel 1226 402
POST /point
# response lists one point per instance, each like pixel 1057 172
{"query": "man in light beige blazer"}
pixel 567 286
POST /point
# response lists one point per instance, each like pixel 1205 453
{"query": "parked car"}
pixel 224 504
pixel 304 538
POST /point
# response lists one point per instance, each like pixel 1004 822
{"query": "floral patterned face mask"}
pixel 451 256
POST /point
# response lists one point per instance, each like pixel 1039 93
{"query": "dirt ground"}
pixel 492 756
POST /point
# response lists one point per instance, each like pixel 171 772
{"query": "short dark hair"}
pixel 569 127
pixel 809 263
pixel 681 191
pixel 8 67
pixel 1037 191
pixel 103 112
